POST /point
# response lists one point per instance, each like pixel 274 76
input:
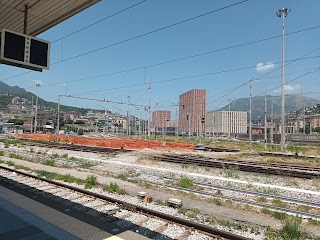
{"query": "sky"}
pixel 219 51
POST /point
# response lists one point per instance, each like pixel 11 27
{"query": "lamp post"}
pixel 229 118
pixel 282 13
pixel 36 112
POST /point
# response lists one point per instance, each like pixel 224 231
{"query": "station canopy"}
pixel 41 14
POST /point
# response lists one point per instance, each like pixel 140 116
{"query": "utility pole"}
pixel 128 119
pixel 36 112
pixel 149 103
pixel 229 120
pixel 213 126
pixel 282 13
pixel 265 121
pixel 58 119
pixel 250 115
pixel 271 130
pixel 32 115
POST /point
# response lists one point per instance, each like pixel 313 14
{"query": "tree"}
pixel 16 121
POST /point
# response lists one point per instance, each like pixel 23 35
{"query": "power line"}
pixel 180 59
pixel 245 83
pixel 174 79
pixel 99 21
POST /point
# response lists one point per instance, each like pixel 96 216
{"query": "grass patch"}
pixel 55 155
pixel 262 199
pixel 49 162
pixel 216 201
pixel 292 230
pixel 86 164
pixel 91 180
pixel 16 156
pixel 55 176
pixel 123 176
pixel 279 203
pixel 185 182
pixel 115 188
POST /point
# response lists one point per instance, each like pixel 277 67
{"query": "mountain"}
pixel 7 93
pixel 292 103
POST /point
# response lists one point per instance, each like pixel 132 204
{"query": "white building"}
pixel 220 122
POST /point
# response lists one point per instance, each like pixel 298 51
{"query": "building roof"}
pixel 42 14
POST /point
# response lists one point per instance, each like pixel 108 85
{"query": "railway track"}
pixel 208 192
pixel 69 146
pixel 241 165
pixel 145 221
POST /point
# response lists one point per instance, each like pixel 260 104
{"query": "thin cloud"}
pixel 289 89
pixel 262 67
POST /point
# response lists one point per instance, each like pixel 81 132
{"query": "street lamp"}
pixel 229 122
pixel 282 13
pixel 36 112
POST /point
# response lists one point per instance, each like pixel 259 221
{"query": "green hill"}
pixel 292 103
pixel 7 93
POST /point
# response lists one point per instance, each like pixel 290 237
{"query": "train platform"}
pixel 27 219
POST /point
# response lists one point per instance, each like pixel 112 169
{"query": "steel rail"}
pixel 267 206
pixel 304 172
pixel 131 207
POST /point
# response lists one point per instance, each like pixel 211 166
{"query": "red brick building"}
pixel 160 119
pixel 192 109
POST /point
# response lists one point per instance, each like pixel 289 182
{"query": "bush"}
pixel 185 182
pixel 91 180
pixel 291 230
pixel 112 187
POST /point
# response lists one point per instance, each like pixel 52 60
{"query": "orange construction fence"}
pixel 112 143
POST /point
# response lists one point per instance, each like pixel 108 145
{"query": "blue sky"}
pixel 246 22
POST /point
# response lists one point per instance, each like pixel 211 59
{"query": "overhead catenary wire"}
pixel 174 79
pixel 184 58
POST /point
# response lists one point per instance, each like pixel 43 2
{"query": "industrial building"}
pixel 192 111
pixel 160 120
pixel 225 122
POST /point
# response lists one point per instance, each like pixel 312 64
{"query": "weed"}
pixel 86 164
pixel 112 187
pixel 216 201
pixel 279 215
pixel 22 167
pixel 45 174
pixel 193 212
pixel 14 155
pixel 31 150
pixel 73 158
pixel 184 166
pixel 229 174
pixel 292 230
pixel 207 169
pixel 122 191
pixel 279 203
pixel 185 182
pixel 55 155
pixel 65 155
pixel 49 162
pixel 147 185
pixel 91 180
pixel 314 222
pixel 183 211
pixel 304 208
pixel 123 176
pixel 10 163
pixel 262 199
pixel 1 153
